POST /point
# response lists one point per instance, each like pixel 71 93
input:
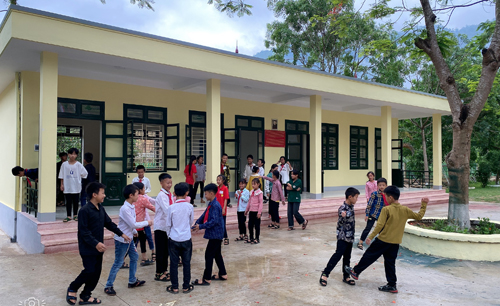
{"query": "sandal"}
pixel 146 262
pixel 291 229
pixel 172 290
pixel 360 246
pixel 189 289
pixel 153 256
pixel 240 238
pixel 304 225
pixel 276 226
pixel 226 241
pixel 85 300
pixel 69 298
pixel 203 283
pixel 75 218
pixel 322 281
pixel 159 279
pixel 125 266
pixel 256 241
pixel 67 219
pixel 270 225
pixel 110 291
pixel 218 278
pixel 249 241
pixel 349 282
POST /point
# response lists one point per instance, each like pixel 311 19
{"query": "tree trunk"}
pixel 458 161
pixel 426 161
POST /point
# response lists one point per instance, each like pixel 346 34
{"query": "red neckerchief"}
pixel 239 197
pixel 206 213
pixel 385 200
pixel 140 180
pixel 169 196
pixel 282 166
pixel 27 178
pixel 221 168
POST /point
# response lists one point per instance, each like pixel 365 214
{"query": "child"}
pixel 180 217
pixel 200 177
pixel 371 185
pixel 93 220
pixel 140 178
pixel 190 174
pixel 294 187
pixel 141 170
pixel 375 205
pixel 31 174
pixel 260 164
pixel 268 186
pixel 71 175
pixel 222 198
pixel 60 195
pixel 345 237
pixel 143 202
pixel 390 229
pixel 242 196
pixel 276 197
pixel 254 210
pixel 224 168
pixel 248 168
pixel 255 174
pixel 284 168
pixel 128 225
pixel 87 162
pixel 211 220
pixel 163 201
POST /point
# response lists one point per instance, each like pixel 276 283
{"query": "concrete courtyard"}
pixel 283 269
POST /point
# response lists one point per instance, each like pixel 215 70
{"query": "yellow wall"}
pixel 8 158
pixel 30 109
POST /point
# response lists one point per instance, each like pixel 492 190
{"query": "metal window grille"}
pixel 199 141
pixel 148 146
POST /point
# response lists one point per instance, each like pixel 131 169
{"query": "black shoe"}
pixel 137 283
pixel 351 272
pixel 110 291
pixel 194 205
pixel 387 288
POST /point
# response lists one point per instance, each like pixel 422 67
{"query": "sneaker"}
pixel 137 283
pixel 110 291
pixel 387 288
pixel 351 272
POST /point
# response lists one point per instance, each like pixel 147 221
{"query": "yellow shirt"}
pixel 392 221
pixel 249 183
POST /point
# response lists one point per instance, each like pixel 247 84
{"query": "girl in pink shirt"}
pixel 144 202
pixel 370 186
pixel 254 210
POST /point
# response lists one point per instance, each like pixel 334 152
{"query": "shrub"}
pixel 483 173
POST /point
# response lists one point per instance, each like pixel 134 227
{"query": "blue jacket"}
pixel 375 205
pixel 214 227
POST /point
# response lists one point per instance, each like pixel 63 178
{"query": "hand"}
pixel 283 203
pixel 258 216
pixel 366 219
pixel 100 247
pixel 343 214
pixel 150 222
pixel 136 235
pixel 246 213
pixel 425 200
pixel 62 188
pixel 195 227
pixel 368 241
pixel 127 238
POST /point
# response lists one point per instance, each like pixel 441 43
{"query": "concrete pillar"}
pixel 387 143
pixel 437 153
pixel 48 137
pixel 213 130
pixel 315 145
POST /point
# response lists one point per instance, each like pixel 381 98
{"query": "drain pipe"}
pixel 18 149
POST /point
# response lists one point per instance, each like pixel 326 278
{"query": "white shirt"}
pixel 285 172
pixel 145 181
pixel 72 177
pixel 127 223
pixel 180 217
pixel 162 205
pixel 261 171
pixel 248 171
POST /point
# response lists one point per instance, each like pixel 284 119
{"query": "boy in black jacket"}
pixel 92 219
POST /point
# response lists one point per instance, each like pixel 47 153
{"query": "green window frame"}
pixel 358 144
pixel 147 125
pixel 330 146
pixel 80 109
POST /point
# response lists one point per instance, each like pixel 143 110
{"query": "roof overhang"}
pixel 100 52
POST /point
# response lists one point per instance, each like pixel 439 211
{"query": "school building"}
pixel 132 98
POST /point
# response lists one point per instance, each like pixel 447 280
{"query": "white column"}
pixel 213 130
pixel 437 152
pixel 387 144
pixel 315 145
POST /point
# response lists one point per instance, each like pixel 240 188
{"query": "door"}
pixel 297 149
pixel 229 147
pixel 397 162
pixel 114 161
pixel 378 153
pixel 249 140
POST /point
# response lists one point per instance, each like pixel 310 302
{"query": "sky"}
pixel 197 22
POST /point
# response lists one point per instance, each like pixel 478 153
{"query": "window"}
pixel 329 146
pixel 145 145
pixel 80 109
pixel 196 135
pixel 358 147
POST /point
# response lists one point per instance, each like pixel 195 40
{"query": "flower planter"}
pixel 452 245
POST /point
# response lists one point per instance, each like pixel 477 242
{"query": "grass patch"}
pixel 487 194
pixel 480 227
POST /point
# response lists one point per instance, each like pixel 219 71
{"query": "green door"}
pixel 378 153
pixel 297 149
pixel 113 161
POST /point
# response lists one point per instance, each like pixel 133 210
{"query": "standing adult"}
pixel 200 177
pixel 284 169
pixel 190 174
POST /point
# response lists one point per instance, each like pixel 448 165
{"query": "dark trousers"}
pixel 293 211
pixel 241 223
pixel 213 251
pixel 183 249
pixel 379 248
pixel 285 192
pixel 343 250
pixel 83 198
pixel 253 222
pixel 72 201
pixel 161 242
pixel 369 225
pixel 192 193
pixel 274 208
pixel 59 193
pixel 202 185
pixel 225 228
pixel 92 266
pixel 142 240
